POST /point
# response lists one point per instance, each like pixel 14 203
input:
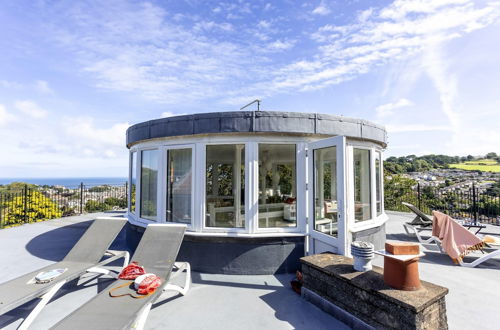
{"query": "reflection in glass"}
pixel 133 180
pixel 179 192
pixel 378 181
pixel 325 191
pixel 149 182
pixel 362 191
pixel 277 189
pixel 225 186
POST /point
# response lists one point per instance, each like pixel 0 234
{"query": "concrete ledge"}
pixel 256 122
pixel 367 298
pixel 332 309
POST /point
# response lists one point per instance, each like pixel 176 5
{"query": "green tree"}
pixel 491 155
pixel 494 190
pixel 398 189
pixel 16 187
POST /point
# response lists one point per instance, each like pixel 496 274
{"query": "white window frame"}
pixel 203 179
pixel 300 194
pixel 377 153
pixel 163 191
pixel 139 183
pixel 340 243
pixel 129 193
pixel 375 220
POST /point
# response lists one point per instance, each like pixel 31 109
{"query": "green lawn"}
pixel 486 165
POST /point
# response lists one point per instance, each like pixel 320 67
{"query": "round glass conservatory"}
pixel 257 190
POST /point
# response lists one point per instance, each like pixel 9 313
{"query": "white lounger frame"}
pixel 45 298
pixel 434 239
pixel 180 267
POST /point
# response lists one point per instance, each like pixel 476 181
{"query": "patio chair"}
pixel 156 252
pixel 476 243
pixel 420 222
pixel 85 256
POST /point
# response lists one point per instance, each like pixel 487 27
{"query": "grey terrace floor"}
pixel 230 301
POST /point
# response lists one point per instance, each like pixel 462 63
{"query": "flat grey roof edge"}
pixel 256 122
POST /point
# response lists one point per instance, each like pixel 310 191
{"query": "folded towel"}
pixel 456 240
pixel 491 239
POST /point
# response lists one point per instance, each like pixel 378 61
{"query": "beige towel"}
pixel 456 240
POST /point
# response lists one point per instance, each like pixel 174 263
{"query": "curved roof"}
pixel 256 121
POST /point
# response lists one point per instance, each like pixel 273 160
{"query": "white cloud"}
pixel 210 25
pixel 280 45
pixel 31 109
pixel 322 9
pixel 5 117
pixel 9 84
pixel 141 51
pixel 43 87
pixel 89 136
pixel 170 114
pixel 388 108
pixel 416 128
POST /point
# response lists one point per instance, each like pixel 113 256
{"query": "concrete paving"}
pixel 473 300
pixel 231 301
pixel 214 301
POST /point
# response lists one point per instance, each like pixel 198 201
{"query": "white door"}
pixel 326 196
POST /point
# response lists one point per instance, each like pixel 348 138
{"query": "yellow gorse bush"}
pixel 38 207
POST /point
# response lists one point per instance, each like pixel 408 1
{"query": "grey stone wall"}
pixel 367 298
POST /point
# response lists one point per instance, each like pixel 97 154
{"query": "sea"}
pixel 68 182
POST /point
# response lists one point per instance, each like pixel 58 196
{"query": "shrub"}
pixel 113 201
pixel 38 207
pixel 95 206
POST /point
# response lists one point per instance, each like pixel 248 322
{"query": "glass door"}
pixel 326 196
pixel 179 192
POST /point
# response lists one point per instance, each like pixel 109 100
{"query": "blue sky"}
pixel 74 74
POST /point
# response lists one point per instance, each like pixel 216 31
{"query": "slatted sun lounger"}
pixel 85 256
pixel 156 252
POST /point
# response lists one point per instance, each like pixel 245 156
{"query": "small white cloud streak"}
pixel 167 114
pixel 321 10
pixel 388 108
pixel 416 128
pixel 43 87
pixel 31 109
pixel 5 116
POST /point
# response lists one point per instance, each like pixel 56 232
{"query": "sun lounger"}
pixel 419 223
pixel 459 238
pixel 476 262
pixel 85 256
pixel 156 252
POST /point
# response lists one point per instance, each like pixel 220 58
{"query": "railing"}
pixel 470 203
pixel 37 204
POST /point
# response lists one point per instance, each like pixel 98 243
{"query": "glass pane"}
pixel 179 185
pixel 133 180
pixel 149 182
pixel 362 191
pixel 225 189
pixel 277 190
pixel 325 191
pixel 378 181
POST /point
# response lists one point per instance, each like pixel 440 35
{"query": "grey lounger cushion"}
pixel 157 252
pixel 86 253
